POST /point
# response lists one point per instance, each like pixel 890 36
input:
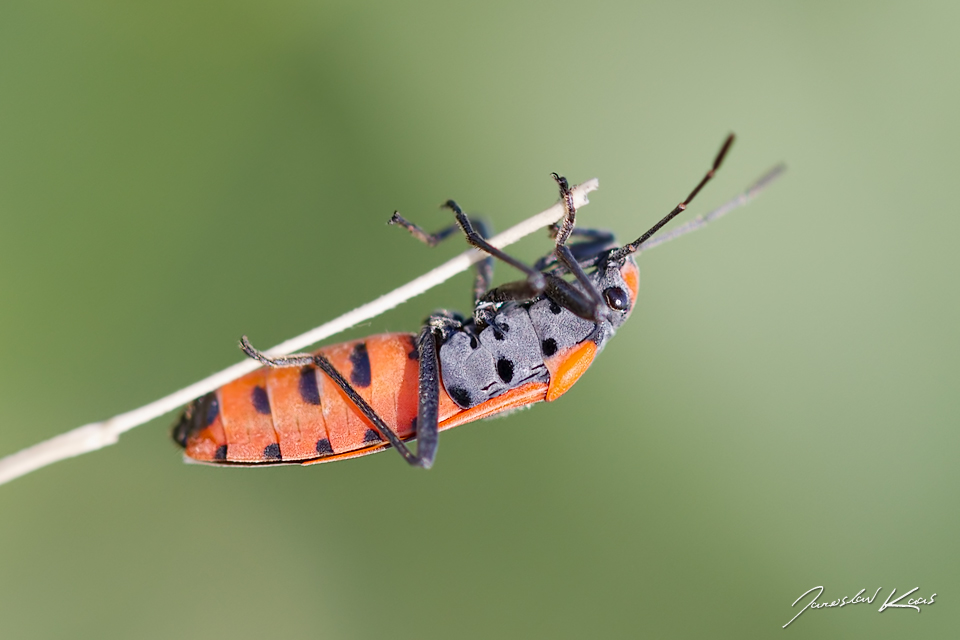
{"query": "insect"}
pixel 525 342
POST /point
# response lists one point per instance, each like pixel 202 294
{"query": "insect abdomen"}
pixel 297 413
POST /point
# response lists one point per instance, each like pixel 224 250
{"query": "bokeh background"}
pixel 781 412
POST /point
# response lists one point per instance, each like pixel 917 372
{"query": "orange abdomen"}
pixel 297 413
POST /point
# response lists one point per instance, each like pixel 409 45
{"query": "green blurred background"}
pixel 781 412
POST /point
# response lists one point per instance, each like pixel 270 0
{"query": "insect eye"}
pixel 616 298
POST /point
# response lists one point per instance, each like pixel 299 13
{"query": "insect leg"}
pixel 429 239
pixel 295 360
pixel 591 297
pixel 564 293
pixel 428 401
pixel 484 268
pixel 534 277
pixel 562 229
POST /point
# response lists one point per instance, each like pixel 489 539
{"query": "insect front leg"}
pixel 588 298
pixel 564 293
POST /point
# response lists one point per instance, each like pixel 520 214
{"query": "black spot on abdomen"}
pixel 371 436
pixel 360 360
pixel 309 390
pixel 461 396
pixel 549 347
pixel 505 369
pixel 323 447
pixel 260 400
pixel 271 451
pixel 213 407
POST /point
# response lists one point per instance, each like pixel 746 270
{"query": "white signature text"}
pixel 890 603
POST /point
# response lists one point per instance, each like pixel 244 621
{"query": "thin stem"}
pixel 98 435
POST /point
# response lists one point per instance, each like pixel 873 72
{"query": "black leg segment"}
pixel 533 276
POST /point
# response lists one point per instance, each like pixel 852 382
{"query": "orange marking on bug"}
pixel 567 367
pixel 248 431
pixel 298 424
pixel 387 371
pixel 203 445
pixel 407 387
pixel 346 426
pixel 395 378
pixel 631 276
pixel 391 392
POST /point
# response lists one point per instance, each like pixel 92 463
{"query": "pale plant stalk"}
pixel 98 435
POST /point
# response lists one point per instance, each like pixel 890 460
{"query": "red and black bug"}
pixel 526 341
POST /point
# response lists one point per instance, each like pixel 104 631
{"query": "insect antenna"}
pixel 627 249
pixel 701 221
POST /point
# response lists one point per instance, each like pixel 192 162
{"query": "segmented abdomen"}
pixel 293 414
